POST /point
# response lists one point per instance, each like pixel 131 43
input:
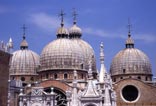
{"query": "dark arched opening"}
pixel 61 99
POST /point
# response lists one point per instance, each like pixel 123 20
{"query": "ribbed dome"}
pixel 62 53
pixel 24 62
pixel 75 34
pixel 88 53
pixel 130 61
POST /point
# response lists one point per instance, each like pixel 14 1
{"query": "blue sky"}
pixel 101 21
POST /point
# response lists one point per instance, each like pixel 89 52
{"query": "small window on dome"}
pixel 22 78
pixel 65 76
pixel 13 78
pixel 32 78
pixel 114 79
pixel 81 66
pixel 124 70
pixel 47 75
pixel 55 76
pixel 82 76
pixel 41 76
pixel 121 77
pixel 139 77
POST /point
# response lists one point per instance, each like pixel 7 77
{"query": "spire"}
pixel 107 98
pixel 62 32
pixel 24 44
pixel 129 41
pixel 90 91
pixel 10 45
pixel 74 92
pixel 90 75
pixel 102 70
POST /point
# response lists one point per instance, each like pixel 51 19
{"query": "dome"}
pixel 24 44
pixel 75 30
pixel 62 31
pixel 62 53
pixel 130 61
pixel 24 61
pixel 75 35
pixel 88 53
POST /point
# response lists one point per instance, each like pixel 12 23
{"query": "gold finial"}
pixel 129 27
pixel 24 29
pixel 74 15
pixel 62 17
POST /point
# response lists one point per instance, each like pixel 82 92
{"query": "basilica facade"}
pixel 65 74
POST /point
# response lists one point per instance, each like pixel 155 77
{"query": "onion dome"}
pixel 130 61
pixel 62 31
pixel 62 53
pixel 24 44
pixel 75 35
pixel 75 31
pixel 24 61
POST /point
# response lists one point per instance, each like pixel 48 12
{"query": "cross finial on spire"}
pixel 62 17
pixel 129 27
pixel 24 29
pixel 74 15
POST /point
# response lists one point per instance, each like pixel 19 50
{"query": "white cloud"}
pixel 45 21
pixel 51 23
pixel 99 32
pixel 145 37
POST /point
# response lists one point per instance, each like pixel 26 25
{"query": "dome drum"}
pixel 67 75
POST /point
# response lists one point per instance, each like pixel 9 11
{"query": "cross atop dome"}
pixel 129 41
pixel 62 17
pixel 74 15
pixel 129 27
pixel 24 29
pixel 24 44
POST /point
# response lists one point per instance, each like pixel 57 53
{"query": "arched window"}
pixel 22 78
pixel 47 75
pixel 139 77
pixel 81 66
pixel 114 79
pixel 32 78
pixel 55 76
pixel 146 79
pixel 82 76
pixel 41 77
pixel 124 70
pixel 13 78
pixel 65 76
